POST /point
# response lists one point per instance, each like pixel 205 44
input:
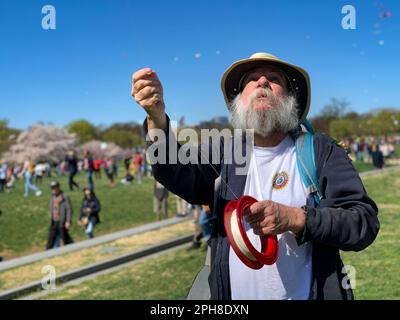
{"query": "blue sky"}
pixel 83 68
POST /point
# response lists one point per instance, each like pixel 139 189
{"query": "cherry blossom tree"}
pixel 41 143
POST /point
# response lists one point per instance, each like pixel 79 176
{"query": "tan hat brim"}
pixel 298 79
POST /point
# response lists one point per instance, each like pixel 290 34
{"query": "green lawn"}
pixel 362 166
pixel 397 151
pixel 170 276
pixel 377 267
pixel 24 222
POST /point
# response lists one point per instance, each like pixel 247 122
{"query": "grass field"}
pixel 170 276
pixel 25 274
pixel 377 267
pixel 24 222
pixel 362 166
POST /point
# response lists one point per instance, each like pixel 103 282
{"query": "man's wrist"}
pixel 155 130
pixel 157 122
pixel 299 220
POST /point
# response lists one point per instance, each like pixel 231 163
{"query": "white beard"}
pixel 282 118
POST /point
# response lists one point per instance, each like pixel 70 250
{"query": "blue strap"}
pixel 307 124
pixel 304 144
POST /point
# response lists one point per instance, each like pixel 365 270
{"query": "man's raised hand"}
pixel 148 93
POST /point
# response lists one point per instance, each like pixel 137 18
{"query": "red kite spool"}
pixel 236 233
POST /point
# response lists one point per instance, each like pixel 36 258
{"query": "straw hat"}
pixel 298 79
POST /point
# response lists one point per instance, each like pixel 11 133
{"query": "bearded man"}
pixel 271 97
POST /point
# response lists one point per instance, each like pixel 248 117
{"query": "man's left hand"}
pixel 269 218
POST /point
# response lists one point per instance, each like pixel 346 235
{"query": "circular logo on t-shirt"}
pixel 280 180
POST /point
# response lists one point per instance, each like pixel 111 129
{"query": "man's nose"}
pixel 263 82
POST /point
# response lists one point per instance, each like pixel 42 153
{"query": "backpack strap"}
pixel 304 144
pixel 308 126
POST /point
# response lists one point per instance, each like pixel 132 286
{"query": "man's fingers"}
pixel 260 206
pixel 254 209
pixel 150 102
pixel 155 99
pixel 143 83
pixel 261 223
pixel 142 73
pixel 146 93
pixel 258 210
pixel 252 218
pixel 266 231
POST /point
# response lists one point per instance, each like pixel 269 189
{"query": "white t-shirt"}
pixel 276 178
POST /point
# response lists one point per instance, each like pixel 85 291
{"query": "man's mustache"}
pixel 264 93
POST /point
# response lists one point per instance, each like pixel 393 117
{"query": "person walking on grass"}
pixel 90 209
pixel 109 168
pixel 3 176
pixel 138 161
pixel 377 156
pixel 89 168
pixel 97 163
pixel 39 172
pixel 60 214
pixel 160 201
pixel 27 173
pixel 72 167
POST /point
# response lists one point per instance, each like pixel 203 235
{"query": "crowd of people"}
pixel 363 149
pixel 369 149
pixel 33 173
pixel 60 206
pixel 372 150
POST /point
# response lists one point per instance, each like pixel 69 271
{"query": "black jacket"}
pixel 65 208
pixel 345 220
pixel 72 164
pixel 94 205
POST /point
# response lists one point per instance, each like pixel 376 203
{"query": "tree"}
pixel 84 130
pixel 123 138
pixel 126 135
pixel 386 122
pixel 341 128
pixel 7 136
pixel 336 109
pixel 41 144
